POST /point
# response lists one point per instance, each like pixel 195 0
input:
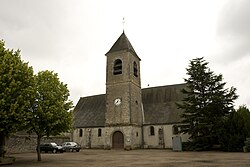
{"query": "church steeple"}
pixel 123 113
pixel 123 85
pixel 122 43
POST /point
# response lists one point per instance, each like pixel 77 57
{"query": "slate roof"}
pixel 122 43
pixel 158 104
pixel 90 111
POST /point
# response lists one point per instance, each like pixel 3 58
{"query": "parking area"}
pixel 138 158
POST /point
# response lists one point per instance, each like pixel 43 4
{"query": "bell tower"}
pixel 123 94
pixel 123 84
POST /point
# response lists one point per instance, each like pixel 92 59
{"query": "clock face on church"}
pixel 117 101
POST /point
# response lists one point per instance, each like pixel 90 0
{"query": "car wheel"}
pixel 77 150
pixel 71 150
pixel 54 151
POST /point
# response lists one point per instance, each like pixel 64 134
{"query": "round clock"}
pixel 117 101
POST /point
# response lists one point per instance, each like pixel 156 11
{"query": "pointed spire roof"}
pixel 122 43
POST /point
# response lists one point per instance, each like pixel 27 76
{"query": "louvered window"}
pixel 117 67
pixel 135 69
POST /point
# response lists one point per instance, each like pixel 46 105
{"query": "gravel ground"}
pixel 138 158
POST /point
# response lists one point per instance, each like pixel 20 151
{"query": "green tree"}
pixel 50 111
pixel 232 132
pixel 16 93
pixel 205 104
pixel 245 113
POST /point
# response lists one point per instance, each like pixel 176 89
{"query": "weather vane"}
pixel 123 22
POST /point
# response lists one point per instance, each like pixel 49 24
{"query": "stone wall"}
pixel 90 138
pixel 162 137
pixel 161 141
pixel 26 143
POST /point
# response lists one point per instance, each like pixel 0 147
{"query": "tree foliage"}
pixel 36 103
pixel 234 130
pixel 50 110
pixel 245 113
pixel 205 104
pixel 16 93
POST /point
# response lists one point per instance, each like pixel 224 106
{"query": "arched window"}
pixel 80 133
pixel 99 132
pixel 117 67
pixel 135 69
pixel 152 131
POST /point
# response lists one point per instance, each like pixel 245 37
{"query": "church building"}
pixel 127 116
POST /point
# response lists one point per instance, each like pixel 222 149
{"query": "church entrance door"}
pixel 118 140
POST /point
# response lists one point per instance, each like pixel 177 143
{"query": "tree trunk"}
pixel 39 158
pixel 2 144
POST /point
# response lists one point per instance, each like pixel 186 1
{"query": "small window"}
pixel 135 69
pixel 99 132
pixel 117 67
pixel 80 133
pixel 137 134
pixel 152 131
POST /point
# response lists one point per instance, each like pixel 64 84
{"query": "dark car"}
pixel 50 147
pixel 71 146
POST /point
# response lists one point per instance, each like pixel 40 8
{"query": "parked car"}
pixel 71 146
pixel 50 147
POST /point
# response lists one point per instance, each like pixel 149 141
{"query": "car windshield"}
pixel 69 144
pixel 53 144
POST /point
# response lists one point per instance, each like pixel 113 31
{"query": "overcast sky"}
pixel 71 38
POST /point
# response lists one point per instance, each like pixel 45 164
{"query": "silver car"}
pixel 71 146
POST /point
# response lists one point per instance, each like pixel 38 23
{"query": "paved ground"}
pixel 138 158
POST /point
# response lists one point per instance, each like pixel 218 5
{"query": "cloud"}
pixel 71 38
pixel 233 30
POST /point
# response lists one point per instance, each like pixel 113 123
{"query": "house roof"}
pixel 158 105
pixel 122 43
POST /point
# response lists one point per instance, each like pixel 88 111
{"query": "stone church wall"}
pixel 97 140
pixel 77 138
pixel 91 139
pixel 162 137
pixel 132 136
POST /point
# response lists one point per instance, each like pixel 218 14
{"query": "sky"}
pixel 71 37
